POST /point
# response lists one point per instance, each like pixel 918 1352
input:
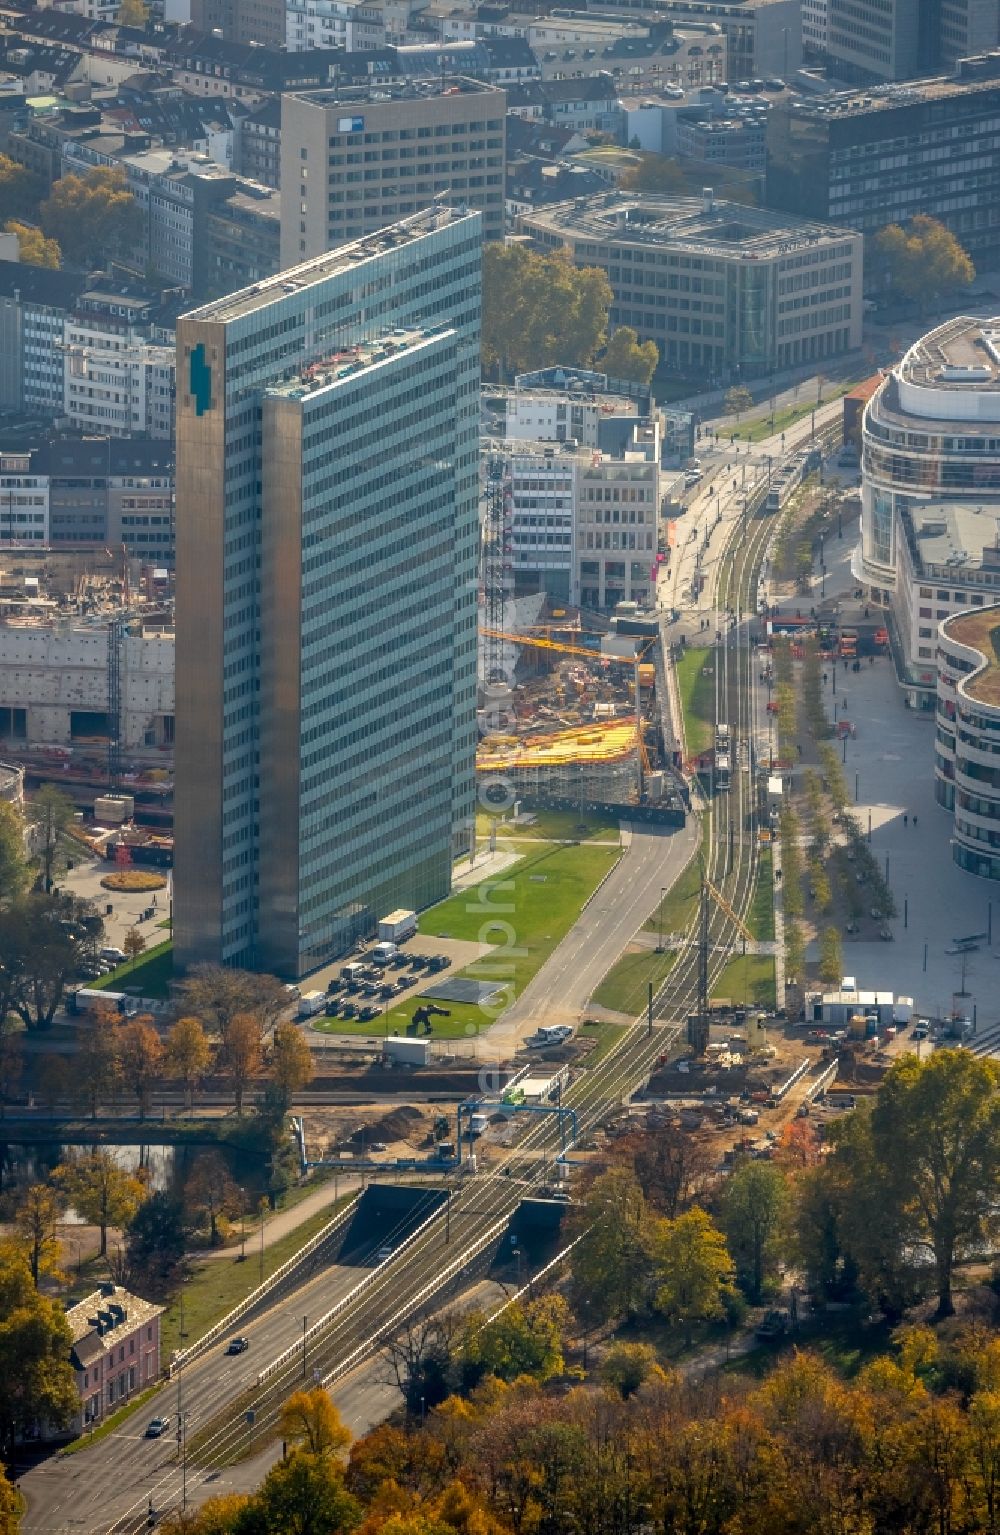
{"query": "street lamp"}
pixel 659 920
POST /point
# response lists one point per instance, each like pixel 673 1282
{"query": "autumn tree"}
pixel 216 1516
pixel 11 1507
pixel 21 190
pixel 420 1357
pixel 217 995
pixel 626 359
pixel 44 939
pixel 103 1192
pixel 291 1065
pixel 133 13
pixel 737 400
pixel 301 1495
pixel 156 1238
pixel 133 944
pixel 754 1205
pixel 869 1237
pixel 14 875
pixel 627 1366
pixel 655 173
pixel 141 1053
pixel 37 1383
pixel 309 1419
pixel 94 217
pixel 97 1072
pixel 50 812
pixel 242 1054
pixel 923 261
pixel 54 1079
pixel 936 1131
pixel 522 1339
pixel 210 1192
pixel 610 1262
pixel 831 956
pixel 36 1221
pixel 674 1167
pixel 11 1062
pixel 539 311
pixel 692 1270
pixel 33 248
pixel 188 1055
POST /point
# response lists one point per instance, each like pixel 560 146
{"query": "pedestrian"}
pixel 914 820
pixel 871 660
pixel 906 819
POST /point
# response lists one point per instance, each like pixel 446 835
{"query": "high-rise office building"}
pixel 327 490
pixel 878 157
pixel 871 40
pixel 354 158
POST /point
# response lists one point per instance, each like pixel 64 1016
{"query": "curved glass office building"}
pixel 930 434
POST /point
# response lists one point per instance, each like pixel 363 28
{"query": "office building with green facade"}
pixel 327 491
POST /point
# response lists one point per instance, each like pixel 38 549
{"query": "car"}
pixel 378 1146
pixel 387 991
pixel 774 85
pixel 419 961
pixel 118 956
pixel 349 1010
pixel 399 961
pixel 238 1345
pixel 368 1012
pixel 370 989
pixel 157 1427
pixel 772 1325
pixel 405 981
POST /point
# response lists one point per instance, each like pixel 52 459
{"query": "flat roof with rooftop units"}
pixel 247 300
pixel 349 362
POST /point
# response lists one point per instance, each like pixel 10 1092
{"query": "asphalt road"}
pixel 559 993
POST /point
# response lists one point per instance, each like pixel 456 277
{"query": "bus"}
pixel 722 738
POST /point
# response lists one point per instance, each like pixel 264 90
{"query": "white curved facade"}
pixel 967 744
pixel 930 434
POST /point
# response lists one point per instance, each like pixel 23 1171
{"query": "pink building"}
pixel 115 1353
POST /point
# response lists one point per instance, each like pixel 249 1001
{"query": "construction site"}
pixel 572 709
pixel 87 675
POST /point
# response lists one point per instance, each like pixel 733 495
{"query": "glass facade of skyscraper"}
pixel 237 603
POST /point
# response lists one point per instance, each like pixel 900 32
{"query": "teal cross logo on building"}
pixel 201 380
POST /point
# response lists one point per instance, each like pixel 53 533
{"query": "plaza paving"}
pixel 891 762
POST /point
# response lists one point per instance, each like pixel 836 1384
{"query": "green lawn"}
pixel 607 1036
pixel 554 825
pixel 524 913
pixel 218 1284
pixel 760 920
pixel 759 427
pixel 465 1018
pixel 697 695
pixel 150 976
pixel 747 979
pixel 625 988
pixel 679 904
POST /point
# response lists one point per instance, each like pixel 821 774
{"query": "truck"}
pixel 353 972
pixel 382 953
pixel 310 1003
pixel 397 926
pixel 399 1051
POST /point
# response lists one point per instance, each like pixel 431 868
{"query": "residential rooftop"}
pixel 697 223
pixel 106 1310
pixel 319 268
pixel 980 631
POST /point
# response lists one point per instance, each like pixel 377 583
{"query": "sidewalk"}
pixel 282 1222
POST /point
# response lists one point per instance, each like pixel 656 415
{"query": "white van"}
pixel 311 1003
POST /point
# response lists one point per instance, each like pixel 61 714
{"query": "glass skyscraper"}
pixel 327 490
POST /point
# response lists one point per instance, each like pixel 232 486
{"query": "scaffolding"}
pixel 594 764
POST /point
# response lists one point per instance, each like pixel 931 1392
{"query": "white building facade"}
pixel 333 24
pixel 930 439
pixel 967 745
pixel 24 501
